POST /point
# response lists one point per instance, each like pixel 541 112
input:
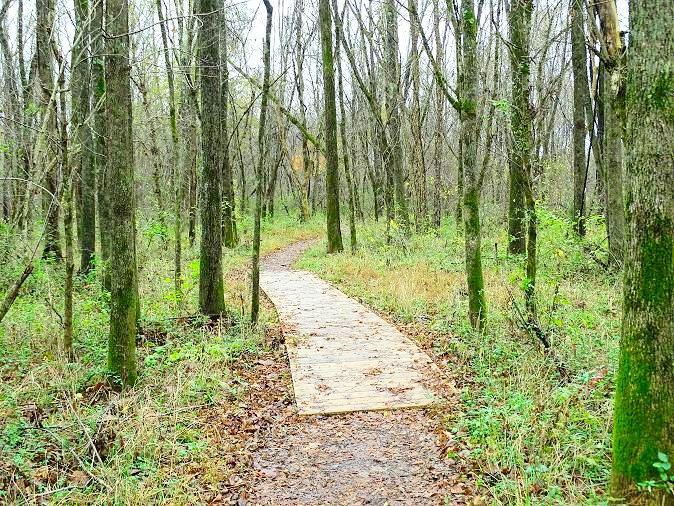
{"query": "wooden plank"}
pixel 343 357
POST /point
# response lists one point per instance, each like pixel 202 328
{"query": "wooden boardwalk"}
pixel 343 357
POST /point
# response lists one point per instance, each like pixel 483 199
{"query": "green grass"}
pixel 535 438
pixel 66 438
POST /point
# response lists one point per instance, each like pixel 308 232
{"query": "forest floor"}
pixel 213 415
pixel 389 457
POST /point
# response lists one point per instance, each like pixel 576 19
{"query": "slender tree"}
pixel 477 306
pixel 342 133
pixel 612 95
pixel 393 99
pixel 255 305
pixel 98 137
pixel 45 11
pixel 124 300
pixel 581 99
pixel 84 161
pixel 644 411
pixel 330 114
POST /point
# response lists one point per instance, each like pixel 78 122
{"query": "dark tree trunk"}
pixel 211 286
pixel 581 100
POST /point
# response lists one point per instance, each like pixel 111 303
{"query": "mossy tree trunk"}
pixel 211 286
pixel 342 132
pixel 644 411
pixel 519 62
pixel 521 122
pixel 418 163
pixel 124 300
pixel 581 100
pixel 477 306
pixel 330 113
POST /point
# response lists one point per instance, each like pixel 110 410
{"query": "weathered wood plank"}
pixel 344 357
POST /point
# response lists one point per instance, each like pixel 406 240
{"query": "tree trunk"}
pixel 581 99
pixel 98 140
pixel 520 118
pixel 342 132
pixel 393 99
pixel 438 134
pixel 331 155
pixel 229 234
pixel 612 94
pixel 124 300
pixel 211 287
pixel 644 411
pixel 418 164
pixel 477 307
pixel 255 303
pixel 45 11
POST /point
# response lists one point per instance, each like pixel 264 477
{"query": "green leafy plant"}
pixel 666 481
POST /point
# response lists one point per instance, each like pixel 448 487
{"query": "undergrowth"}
pixel 536 438
pixel 67 438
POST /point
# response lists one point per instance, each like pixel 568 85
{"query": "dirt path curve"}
pixel 382 457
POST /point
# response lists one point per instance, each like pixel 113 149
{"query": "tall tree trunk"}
pixel 84 163
pixel 66 169
pixel 299 82
pixel 477 307
pixel 518 163
pixel 229 234
pixel 581 100
pixel 176 163
pixel 124 300
pixel 330 113
pixel 644 411
pixel 45 12
pixel 522 134
pixel 342 132
pixel 211 286
pixel 98 137
pixel 255 303
pixel 612 94
pixel 438 134
pixel 393 99
pixel 418 164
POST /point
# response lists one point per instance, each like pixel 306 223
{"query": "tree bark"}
pixel 477 307
pixel 330 113
pixel 124 300
pixel 581 99
pixel 45 11
pixel 211 286
pixel 644 411
pixel 393 99
pixel 255 303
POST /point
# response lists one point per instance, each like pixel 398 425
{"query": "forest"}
pixel 311 252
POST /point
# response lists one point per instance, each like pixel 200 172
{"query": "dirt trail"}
pixel 382 457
